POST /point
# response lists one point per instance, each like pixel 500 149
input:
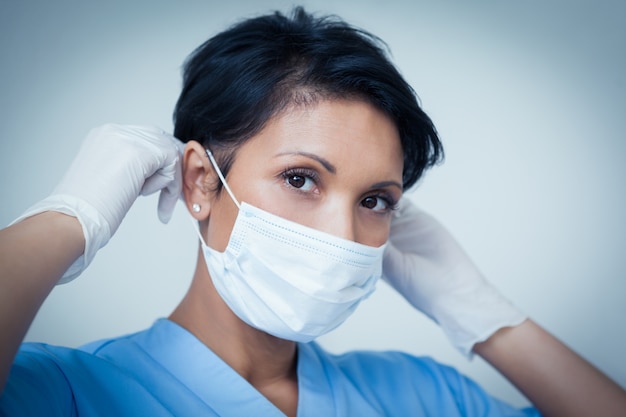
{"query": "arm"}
pixel 554 378
pixel 429 268
pixel 34 254
pixel 56 239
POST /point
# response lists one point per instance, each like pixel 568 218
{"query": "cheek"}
pixel 221 221
pixel 374 232
pixel 274 197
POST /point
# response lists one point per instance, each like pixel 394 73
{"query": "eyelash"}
pixel 300 172
pixel 390 202
pixel 305 172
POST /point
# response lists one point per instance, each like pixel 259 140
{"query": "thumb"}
pixel 167 202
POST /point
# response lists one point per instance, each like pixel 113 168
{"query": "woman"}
pixel 300 139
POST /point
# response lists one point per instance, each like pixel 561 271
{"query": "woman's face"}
pixel 335 166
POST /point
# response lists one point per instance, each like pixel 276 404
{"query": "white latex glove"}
pixel 114 165
pixel 425 264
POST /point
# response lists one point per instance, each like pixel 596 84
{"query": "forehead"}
pixel 345 132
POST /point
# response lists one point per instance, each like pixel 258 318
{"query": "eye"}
pixel 303 181
pixel 377 203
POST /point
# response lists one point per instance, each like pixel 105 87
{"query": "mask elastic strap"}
pixel 221 176
pixel 194 224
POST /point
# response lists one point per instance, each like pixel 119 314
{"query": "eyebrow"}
pixel 384 184
pixel 329 167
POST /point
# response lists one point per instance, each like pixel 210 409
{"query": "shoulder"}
pixel 386 364
pixel 390 369
pixel 38 371
pixel 55 380
pixel 402 382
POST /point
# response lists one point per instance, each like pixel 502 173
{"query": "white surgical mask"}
pixel 289 280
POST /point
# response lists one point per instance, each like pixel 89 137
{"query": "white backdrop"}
pixel 529 99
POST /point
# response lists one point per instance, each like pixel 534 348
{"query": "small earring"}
pixel 195 208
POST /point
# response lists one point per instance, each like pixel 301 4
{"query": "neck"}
pixel 258 357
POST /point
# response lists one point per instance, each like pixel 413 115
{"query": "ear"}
pixel 198 175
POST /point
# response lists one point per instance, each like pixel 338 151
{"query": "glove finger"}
pixel 156 182
pixel 163 176
pixel 392 261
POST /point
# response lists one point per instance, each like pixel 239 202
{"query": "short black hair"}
pixel 240 78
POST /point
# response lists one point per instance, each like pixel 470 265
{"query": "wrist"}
pixel 68 227
pixel 83 230
pixel 474 315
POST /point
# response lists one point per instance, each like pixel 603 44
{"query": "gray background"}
pixel 529 99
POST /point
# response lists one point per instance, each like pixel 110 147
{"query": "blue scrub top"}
pixel 166 371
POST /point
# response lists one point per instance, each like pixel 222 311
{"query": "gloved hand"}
pixel 429 268
pixel 114 165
